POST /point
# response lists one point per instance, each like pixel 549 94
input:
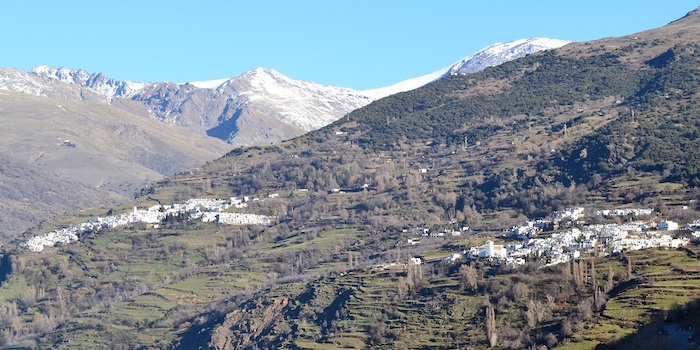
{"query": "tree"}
pixel 520 292
pixel 490 325
pixel 611 282
pixel 470 277
pixel 471 215
pixel 378 329
pixel 567 328
pixel 531 314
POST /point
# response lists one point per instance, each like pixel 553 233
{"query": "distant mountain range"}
pixel 257 107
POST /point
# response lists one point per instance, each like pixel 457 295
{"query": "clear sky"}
pixel 354 43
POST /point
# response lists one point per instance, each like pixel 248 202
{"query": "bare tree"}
pixel 611 282
pixel 531 314
pixel 470 277
pixel 490 325
pixel 520 292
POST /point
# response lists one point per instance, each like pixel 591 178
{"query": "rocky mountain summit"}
pixel 500 53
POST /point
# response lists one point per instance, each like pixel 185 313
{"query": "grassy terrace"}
pixel 148 281
pixel 145 284
pixel 668 278
pixel 298 241
pixel 440 314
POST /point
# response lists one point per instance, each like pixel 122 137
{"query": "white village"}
pixel 528 242
pixel 532 242
pixel 206 210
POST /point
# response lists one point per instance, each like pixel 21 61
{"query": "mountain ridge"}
pixel 298 105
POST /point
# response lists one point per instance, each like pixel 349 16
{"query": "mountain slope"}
pixel 658 131
pixel 490 56
pixel 101 147
pixel 30 194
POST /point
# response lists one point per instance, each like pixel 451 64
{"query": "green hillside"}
pixel 658 132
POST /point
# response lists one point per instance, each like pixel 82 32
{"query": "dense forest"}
pixel 659 132
pixel 525 93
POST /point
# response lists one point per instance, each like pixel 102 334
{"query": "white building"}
pixel 571 214
pixel 490 250
pixel 415 261
pixel 668 225
pixel 209 210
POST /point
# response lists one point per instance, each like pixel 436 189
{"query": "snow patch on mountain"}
pixel 500 53
pixel 302 103
pixel 406 85
pixel 108 87
pixel 490 56
pixel 209 84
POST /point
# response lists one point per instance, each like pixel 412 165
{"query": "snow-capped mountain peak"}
pixel 490 56
pixel 108 87
pixel 301 103
pixel 500 53
pixel 259 72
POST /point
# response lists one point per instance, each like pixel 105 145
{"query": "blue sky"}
pixel 360 43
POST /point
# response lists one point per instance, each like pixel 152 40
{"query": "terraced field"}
pixel 664 279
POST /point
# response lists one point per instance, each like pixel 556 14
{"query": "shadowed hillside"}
pixel 100 152
pixel 30 194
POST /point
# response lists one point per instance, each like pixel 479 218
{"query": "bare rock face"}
pixel 259 320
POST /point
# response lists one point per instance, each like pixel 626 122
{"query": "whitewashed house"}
pixel 490 250
pixel 415 261
pixel 667 225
